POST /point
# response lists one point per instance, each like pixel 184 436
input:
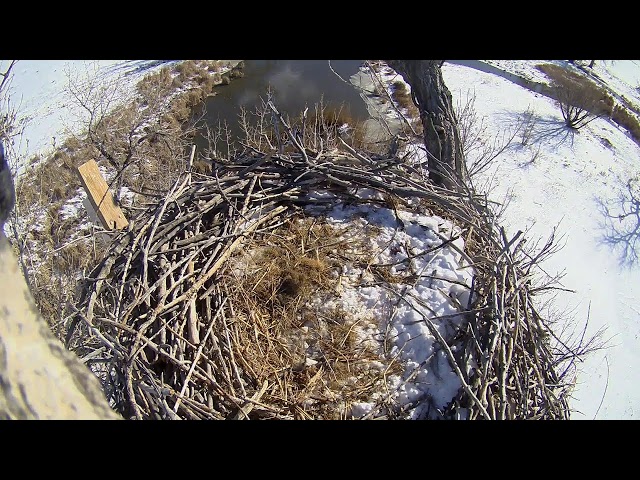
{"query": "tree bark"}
pixel 440 126
pixel 39 378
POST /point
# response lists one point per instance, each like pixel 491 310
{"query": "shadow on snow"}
pixel 533 129
pixel 620 223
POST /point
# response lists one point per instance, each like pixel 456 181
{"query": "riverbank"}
pixel 46 111
pixel 134 120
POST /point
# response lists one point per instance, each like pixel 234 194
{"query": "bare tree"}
pixel 10 128
pixel 440 126
pixel 478 147
pixel 7 119
pixel 7 191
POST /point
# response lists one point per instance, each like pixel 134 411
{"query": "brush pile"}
pixel 175 330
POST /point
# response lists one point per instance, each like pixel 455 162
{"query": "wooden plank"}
pixel 100 196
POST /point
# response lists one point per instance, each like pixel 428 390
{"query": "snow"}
pixel 443 282
pixel 38 92
pixel 565 186
pixel 576 184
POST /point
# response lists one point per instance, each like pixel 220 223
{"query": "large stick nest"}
pixel 174 331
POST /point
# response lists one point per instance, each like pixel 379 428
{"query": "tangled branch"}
pixel 163 325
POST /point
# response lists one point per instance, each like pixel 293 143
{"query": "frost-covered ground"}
pixel 578 183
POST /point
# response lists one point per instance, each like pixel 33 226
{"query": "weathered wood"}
pixel 110 214
pixel 192 325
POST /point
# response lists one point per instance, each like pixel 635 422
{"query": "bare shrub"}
pixel 478 150
pixel 140 141
pixel 528 124
pixel 606 106
pixel 322 127
pixel 186 69
pixel 148 127
pixel 470 126
pixel 578 105
pixel 579 98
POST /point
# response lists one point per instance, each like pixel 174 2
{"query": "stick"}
pixel 197 356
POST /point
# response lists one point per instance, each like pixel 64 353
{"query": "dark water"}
pixel 294 85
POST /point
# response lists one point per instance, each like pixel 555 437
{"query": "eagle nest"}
pixel 298 282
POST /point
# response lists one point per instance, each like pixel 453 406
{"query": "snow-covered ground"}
pixel 567 181
pixel 443 280
pixel 556 180
pixel 46 112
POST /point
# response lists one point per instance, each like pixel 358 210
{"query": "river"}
pixel 294 85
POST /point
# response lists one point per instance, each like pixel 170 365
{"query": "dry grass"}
pixel 266 343
pixel 627 120
pixel 575 81
pixel 321 128
pixel 236 319
pixel 276 287
pixel 401 94
pixel 279 331
pixel 580 90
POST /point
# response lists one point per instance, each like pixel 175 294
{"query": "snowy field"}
pixel 566 182
pixel 578 184
pixel 45 109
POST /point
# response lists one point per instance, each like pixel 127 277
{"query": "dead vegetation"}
pixel 401 95
pixel 398 96
pixel 204 308
pixel 207 306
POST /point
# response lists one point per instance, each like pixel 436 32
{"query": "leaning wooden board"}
pixel 100 196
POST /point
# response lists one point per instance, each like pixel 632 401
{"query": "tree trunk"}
pixel 39 378
pixel 440 126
